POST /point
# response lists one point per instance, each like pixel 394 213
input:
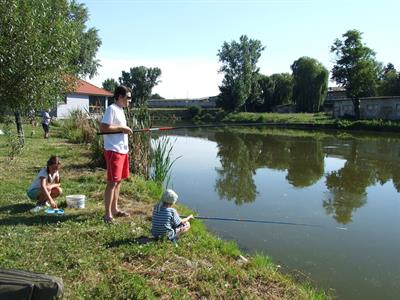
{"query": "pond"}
pixel 333 180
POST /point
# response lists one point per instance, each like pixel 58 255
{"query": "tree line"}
pixel 356 69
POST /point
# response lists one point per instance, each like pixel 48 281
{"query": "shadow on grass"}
pixel 16 208
pixel 142 240
pixel 41 219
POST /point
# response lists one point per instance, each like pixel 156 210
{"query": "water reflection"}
pixel 369 161
pixel 239 158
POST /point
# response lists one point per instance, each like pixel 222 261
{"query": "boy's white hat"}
pixel 169 196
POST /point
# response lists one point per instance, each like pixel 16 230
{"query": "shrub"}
pixel 194 111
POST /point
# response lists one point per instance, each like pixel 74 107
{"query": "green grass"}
pixel 297 120
pixel 99 261
pixel 317 118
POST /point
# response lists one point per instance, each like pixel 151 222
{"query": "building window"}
pixel 96 104
pixel 398 108
pixel 372 107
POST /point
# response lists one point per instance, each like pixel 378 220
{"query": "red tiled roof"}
pixel 86 88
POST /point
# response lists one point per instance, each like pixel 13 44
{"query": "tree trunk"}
pixel 356 104
pixel 20 130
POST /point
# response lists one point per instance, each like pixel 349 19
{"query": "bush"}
pixel 194 111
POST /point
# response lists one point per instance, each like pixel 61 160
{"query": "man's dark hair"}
pixel 121 90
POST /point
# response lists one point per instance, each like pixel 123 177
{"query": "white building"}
pixel 86 97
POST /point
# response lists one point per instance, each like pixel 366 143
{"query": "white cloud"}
pixel 180 78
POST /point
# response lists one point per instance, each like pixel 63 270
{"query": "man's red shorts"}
pixel 117 166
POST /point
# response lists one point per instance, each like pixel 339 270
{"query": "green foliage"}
pixel 194 111
pixel 355 67
pixel 88 41
pixel 141 80
pixel 208 116
pixel 156 96
pixel 161 162
pixel 50 39
pixel 276 90
pixel 44 46
pixel 12 141
pixel 110 84
pixel 389 84
pixel 240 87
pixel 310 84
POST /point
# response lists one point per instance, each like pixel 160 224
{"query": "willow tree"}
pixel 310 84
pixel 44 46
pixel 239 65
pixel 355 68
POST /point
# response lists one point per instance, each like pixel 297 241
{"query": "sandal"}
pixel 122 214
pixel 108 220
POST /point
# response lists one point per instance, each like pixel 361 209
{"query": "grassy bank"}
pixel 100 261
pixel 296 120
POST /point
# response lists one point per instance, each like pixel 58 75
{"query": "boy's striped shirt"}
pixel 165 220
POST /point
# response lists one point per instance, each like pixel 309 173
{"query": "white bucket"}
pixel 76 201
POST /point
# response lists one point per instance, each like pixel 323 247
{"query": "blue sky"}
pixel 183 37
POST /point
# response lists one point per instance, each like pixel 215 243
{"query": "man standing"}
pixel 116 151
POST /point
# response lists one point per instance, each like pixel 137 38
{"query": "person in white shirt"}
pixel 47 184
pixel 116 151
pixel 46 123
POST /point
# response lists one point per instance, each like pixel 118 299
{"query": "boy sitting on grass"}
pixel 166 220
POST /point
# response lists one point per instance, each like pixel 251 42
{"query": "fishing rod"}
pixel 261 221
pixel 197 126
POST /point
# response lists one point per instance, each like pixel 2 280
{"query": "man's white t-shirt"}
pixel 118 142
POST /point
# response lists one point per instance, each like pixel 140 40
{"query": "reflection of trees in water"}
pixel 342 204
pixel 306 164
pixel 238 158
pixel 241 154
pixel 348 185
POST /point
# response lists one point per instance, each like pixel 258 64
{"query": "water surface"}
pixel 331 180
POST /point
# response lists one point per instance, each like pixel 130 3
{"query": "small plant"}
pixel 13 141
pixel 161 162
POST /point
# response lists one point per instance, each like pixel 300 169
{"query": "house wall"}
pixel 74 102
pixel 370 108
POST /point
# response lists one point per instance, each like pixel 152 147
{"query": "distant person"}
pixel 47 184
pixel 46 122
pixel 32 117
pixel 116 151
pixel 166 220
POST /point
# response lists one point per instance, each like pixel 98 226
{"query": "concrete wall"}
pixel 387 108
pixel 74 102
pixel 159 103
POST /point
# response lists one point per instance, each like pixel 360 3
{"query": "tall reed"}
pixel 161 162
pixel 139 143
